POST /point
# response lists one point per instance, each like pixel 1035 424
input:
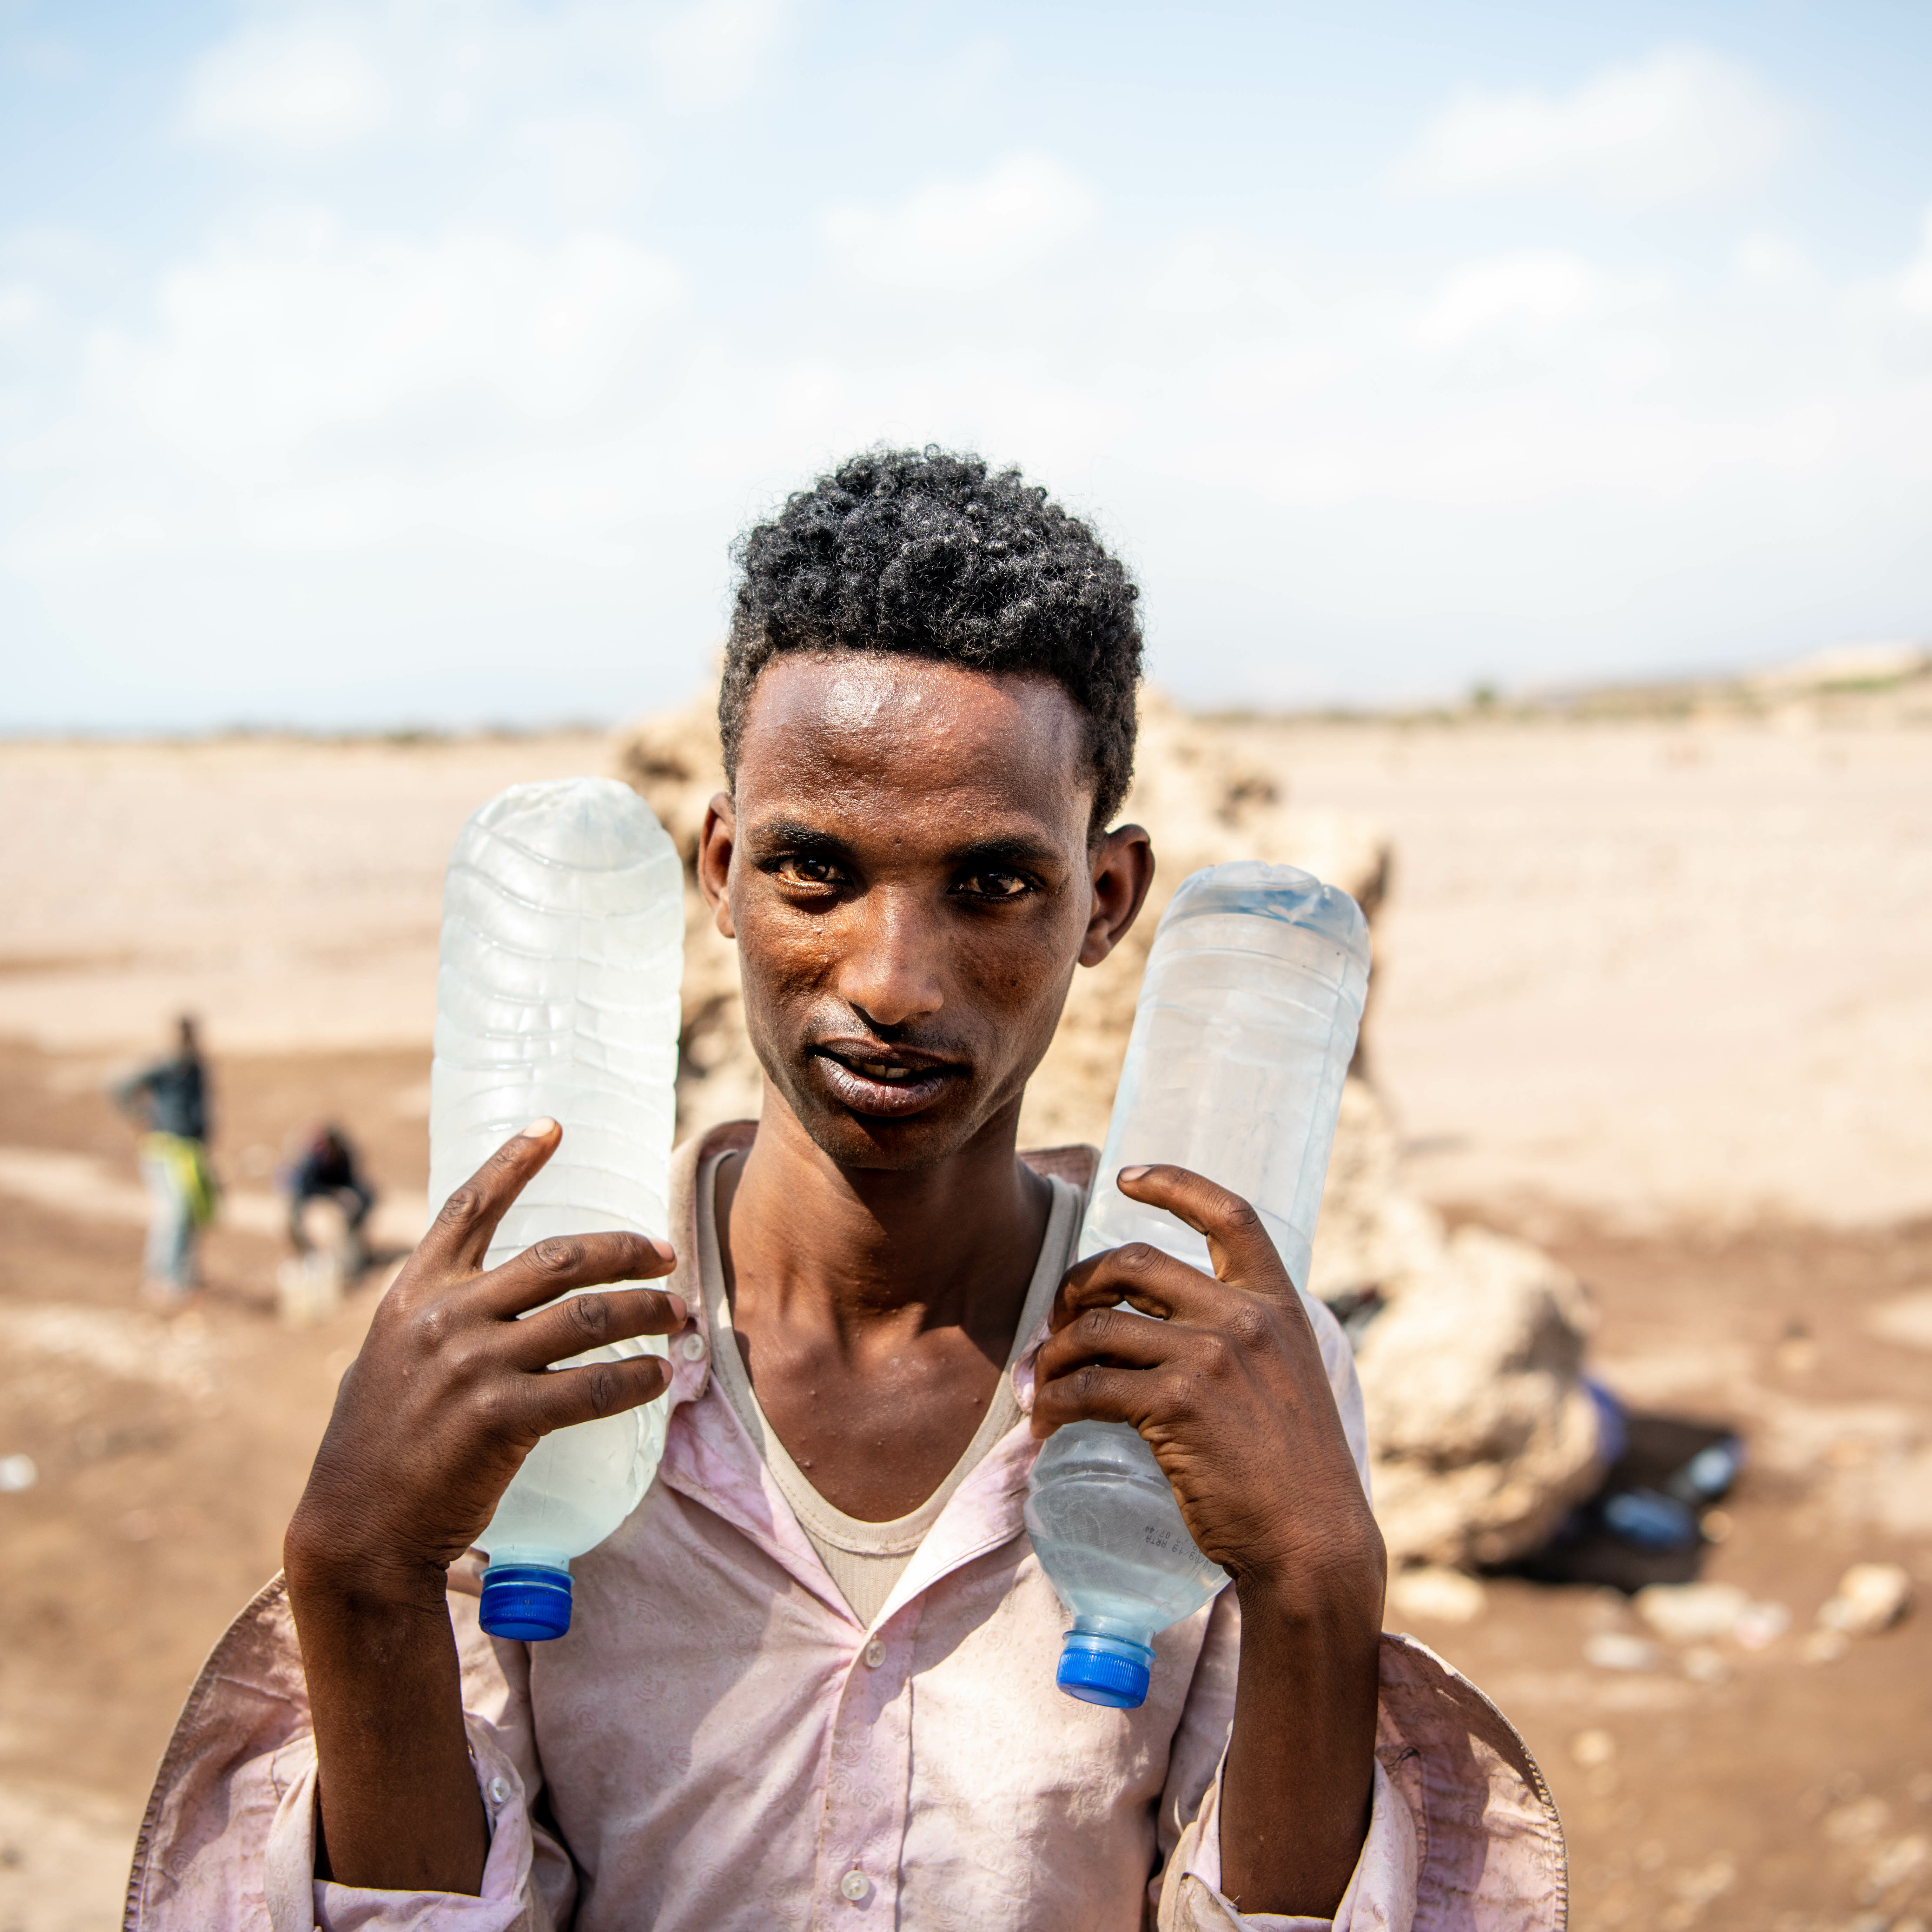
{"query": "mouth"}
pixel 888 1084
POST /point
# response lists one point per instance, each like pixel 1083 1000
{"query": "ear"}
pixel 1123 871
pixel 715 845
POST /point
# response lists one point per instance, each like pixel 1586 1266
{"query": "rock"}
pixel 1870 1597
pixel 1703 1665
pixel 1763 1624
pixel 1619 1650
pixel 1437 1595
pixel 1823 1646
pixel 1901 1862
pixel 1481 1436
pixel 1692 1613
pixel 674 761
pixel 1858 1823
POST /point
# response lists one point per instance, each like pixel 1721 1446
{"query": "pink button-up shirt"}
pixel 719 1745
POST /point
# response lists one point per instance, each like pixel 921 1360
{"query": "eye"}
pixel 995 885
pixel 800 868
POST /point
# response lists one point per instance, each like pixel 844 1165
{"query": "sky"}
pixel 415 362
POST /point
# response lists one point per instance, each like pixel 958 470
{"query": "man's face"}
pixel 906 869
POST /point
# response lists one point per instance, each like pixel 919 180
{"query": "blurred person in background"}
pixel 169 1099
pixel 325 1168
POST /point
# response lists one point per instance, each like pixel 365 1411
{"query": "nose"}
pixel 891 969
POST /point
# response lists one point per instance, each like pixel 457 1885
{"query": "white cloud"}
pixel 1531 294
pixel 1204 276
pixel 709 54
pixel 593 163
pixel 306 329
pixel 964 235
pixel 310 388
pixel 299 87
pixel 1684 124
pixel 20 305
pixel 1771 260
pixel 1915 290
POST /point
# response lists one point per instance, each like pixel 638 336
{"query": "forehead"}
pixel 908 735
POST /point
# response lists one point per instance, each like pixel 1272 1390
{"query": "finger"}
pixel 460 1235
pixel 587 1321
pixel 1238 1242
pixel 560 1262
pixel 1095 1393
pixel 560 1398
pixel 1142 1276
pixel 1110 1337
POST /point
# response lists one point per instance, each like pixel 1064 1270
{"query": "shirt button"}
pixel 500 1791
pixel 692 1347
pixel 855 1885
pixel 875 1654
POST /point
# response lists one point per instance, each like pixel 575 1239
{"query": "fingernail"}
pixel 678 1308
pixel 1134 1173
pixel 539 1130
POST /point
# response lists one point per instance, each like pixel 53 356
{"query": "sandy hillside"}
pixel 1659 994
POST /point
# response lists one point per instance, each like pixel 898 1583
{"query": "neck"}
pixel 950 1245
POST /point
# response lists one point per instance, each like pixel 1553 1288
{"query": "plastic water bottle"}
pixel 557 994
pixel 1247 1020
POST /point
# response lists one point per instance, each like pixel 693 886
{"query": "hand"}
pixel 451 1391
pixel 1227 1385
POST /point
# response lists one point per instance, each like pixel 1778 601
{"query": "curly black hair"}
pixel 927 553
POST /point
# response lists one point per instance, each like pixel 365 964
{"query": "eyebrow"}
pixel 1013 850
pixel 1007 850
pixel 796 834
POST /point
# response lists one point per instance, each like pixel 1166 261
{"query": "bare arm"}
pixel 1227 1387
pixel 449 1394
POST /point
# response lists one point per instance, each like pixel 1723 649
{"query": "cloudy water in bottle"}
pixel 1247 1020
pixel 557 994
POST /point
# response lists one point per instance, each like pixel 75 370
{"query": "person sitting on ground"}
pixel 325 1169
pixel 810 1680
pixel 169 1099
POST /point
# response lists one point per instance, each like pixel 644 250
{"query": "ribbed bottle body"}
pixel 557 994
pixel 1249 1011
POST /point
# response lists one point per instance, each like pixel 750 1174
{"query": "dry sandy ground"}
pixel 1658 994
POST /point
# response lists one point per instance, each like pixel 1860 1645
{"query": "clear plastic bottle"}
pixel 557 994
pixel 1248 1015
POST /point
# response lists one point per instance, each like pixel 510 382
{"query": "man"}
pixel 169 1099
pixel 326 1170
pixel 810 1680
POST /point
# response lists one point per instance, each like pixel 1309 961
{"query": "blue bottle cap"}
pixel 528 1601
pixel 1111 1670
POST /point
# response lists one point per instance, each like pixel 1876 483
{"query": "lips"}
pixel 888 1085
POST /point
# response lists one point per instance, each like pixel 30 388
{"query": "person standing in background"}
pixel 169 1099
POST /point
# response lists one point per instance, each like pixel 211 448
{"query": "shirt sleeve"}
pixel 510 1901
pixel 1381 1897
pixel 230 1836
pixel 1462 1835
